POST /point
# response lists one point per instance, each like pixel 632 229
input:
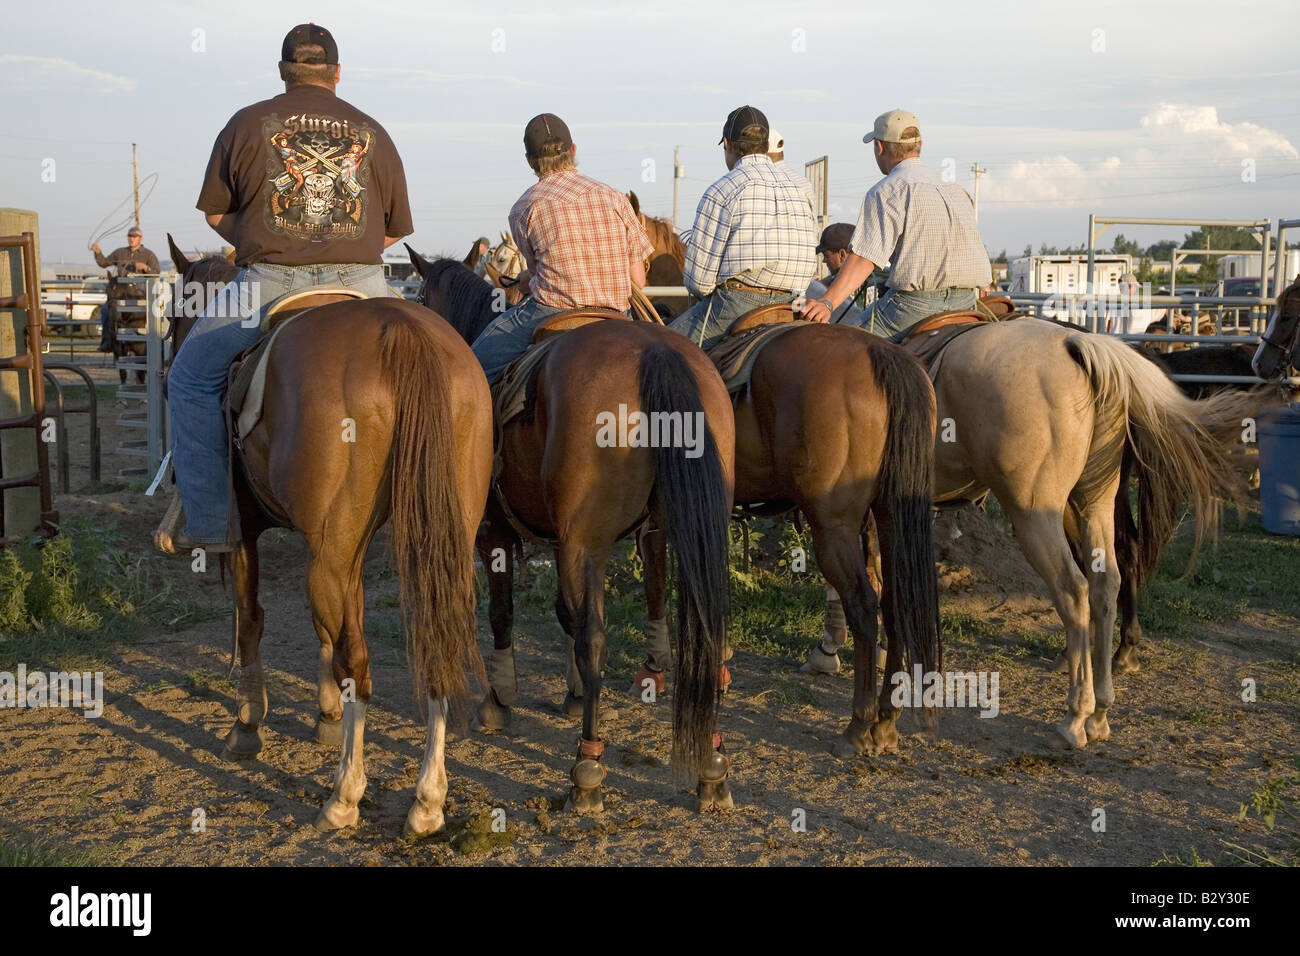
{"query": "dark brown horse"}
pixel 374 410
pixel 839 424
pixel 562 481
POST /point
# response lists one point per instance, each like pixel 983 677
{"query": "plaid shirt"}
pixel 580 238
pixel 925 229
pixel 754 224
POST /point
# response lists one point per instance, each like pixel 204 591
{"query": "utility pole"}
pixel 135 179
pixel 678 173
pixel 978 171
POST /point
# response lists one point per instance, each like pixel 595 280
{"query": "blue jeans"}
pixel 508 336
pixel 706 322
pixel 196 381
pixel 896 311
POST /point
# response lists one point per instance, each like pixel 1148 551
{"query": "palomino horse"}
pixel 504 264
pixel 839 423
pixel 1045 417
pixel 421 457
pixel 558 482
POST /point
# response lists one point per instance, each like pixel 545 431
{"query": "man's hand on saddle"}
pixel 816 310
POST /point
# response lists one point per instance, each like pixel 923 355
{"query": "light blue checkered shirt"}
pixel 754 224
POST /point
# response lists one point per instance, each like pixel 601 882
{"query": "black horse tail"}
pixel 694 500
pixel 910 602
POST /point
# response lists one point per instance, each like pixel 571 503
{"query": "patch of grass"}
pixel 1202 716
pixel 199 680
pixel 1275 798
pixel 43 851
pixel 1188 857
pixel 789 690
pixel 68 601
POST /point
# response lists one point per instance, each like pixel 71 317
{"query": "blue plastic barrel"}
pixel 1279 469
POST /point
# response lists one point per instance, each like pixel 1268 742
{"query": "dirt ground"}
pixel 1184 755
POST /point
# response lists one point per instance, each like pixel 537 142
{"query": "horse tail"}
pixel 435 558
pixel 1170 442
pixel 910 603
pixel 694 499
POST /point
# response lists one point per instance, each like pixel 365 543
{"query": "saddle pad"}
pixel 735 355
pixel 514 390
pixel 928 347
pixel 248 380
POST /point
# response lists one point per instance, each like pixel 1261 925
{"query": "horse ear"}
pixel 636 203
pixel 178 258
pixel 421 264
pixel 505 237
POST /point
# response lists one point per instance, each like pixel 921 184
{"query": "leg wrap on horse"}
pixel 836 632
pixel 659 654
pixel 501 675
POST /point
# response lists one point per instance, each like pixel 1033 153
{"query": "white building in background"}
pixel 1067 273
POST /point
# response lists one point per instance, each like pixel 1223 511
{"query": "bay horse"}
pixel 421 458
pixel 1276 354
pixel 558 482
pixel 839 423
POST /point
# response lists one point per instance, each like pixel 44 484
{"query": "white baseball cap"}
pixel 775 143
pixel 889 127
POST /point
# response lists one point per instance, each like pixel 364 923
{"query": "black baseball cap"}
pixel 308 33
pixel 835 237
pixel 546 129
pixel 740 121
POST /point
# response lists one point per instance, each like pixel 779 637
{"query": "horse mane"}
pixel 664 238
pixel 460 296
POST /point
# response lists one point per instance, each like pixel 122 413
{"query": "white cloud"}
pixel 1226 140
pixel 401 77
pixel 19 72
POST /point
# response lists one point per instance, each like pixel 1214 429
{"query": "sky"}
pixel 1181 110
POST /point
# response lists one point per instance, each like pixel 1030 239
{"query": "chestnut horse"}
pixel 558 482
pixel 839 423
pixel 421 456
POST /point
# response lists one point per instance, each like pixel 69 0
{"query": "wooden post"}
pixel 22 506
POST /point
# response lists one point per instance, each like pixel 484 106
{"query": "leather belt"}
pixel 739 286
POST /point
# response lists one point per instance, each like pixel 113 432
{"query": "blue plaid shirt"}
pixel 754 224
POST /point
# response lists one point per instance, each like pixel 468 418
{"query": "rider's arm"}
pixel 223 223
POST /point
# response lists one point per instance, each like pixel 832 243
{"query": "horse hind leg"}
pixel 426 815
pixel 244 739
pixel 1041 535
pixel 497 552
pixel 653 546
pixel 337 604
pixel 1103 590
pixel 581 581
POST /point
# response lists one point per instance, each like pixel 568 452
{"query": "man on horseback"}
pixel 923 227
pixel 130 259
pixel 326 225
pixel 752 243
pixel 579 238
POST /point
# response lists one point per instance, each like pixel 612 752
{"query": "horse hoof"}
pixel 329 732
pixel 819 662
pixel 572 706
pixel 884 737
pixel 492 716
pixel 242 743
pixel 337 817
pixel 1124 663
pixel 421 822
pixel 714 795
pixel 586 802
pixel 853 742
pixel 1070 736
pixel 1097 727
pixel 639 686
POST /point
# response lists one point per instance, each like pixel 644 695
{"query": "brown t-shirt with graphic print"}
pixel 309 179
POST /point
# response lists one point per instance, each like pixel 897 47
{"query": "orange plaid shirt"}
pixel 580 238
